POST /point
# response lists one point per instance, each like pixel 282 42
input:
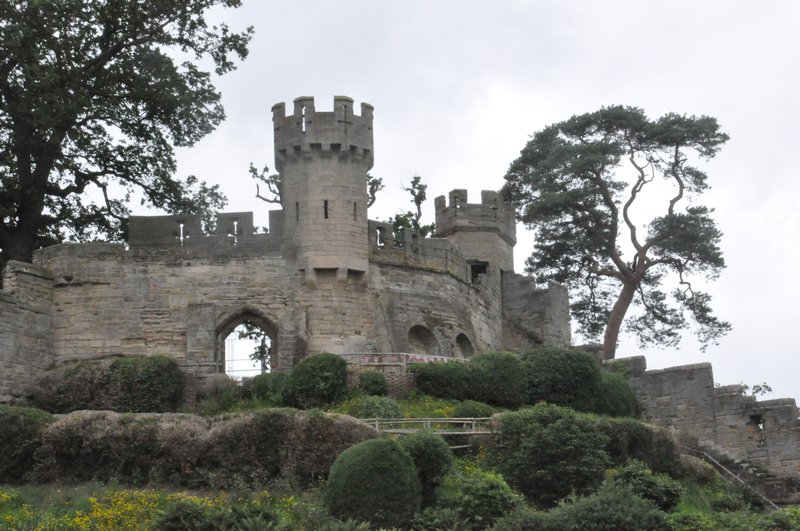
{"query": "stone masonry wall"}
pixel 26 348
pixel 764 435
pixel 532 314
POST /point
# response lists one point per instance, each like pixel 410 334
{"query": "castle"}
pixel 325 278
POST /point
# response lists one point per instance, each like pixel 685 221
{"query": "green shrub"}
pixel 631 439
pixel 226 452
pixel 316 382
pixel 616 398
pixel 451 380
pixel 740 521
pixel 146 384
pixel 267 387
pixel 246 513
pixel 660 489
pixel 20 437
pixel 432 458
pixel 473 409
pixel 609 509
pixel 371 407
pixel 566 377
pixel 217 393
pixel 373 383
pixel 547 452
pixel 374 481
pixel 499 380
pixel 478 496
pixel 131 384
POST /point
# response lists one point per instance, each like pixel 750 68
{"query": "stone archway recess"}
pixel 464 348
pixel 422 341
pixel 232 321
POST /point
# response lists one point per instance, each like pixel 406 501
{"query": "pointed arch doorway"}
pixel 245 343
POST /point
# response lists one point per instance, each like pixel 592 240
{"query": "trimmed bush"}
pixel 267 387
pixel 373 383
pixel 562 376
pixel 20 436
pixel 631 439
pixel 479 497
pixel 230 452
pixel 451 380
pixel 374 481
pixel 547 452
pixel 499 380
pixel 660 489
pixel 616 398
pixel 131 384
pixel 607 510
pixel 316 382
pixel 371 407
pixel 216 394
pixel 432 458
pixel 473 409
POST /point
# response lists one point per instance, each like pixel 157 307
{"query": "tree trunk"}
pixel 615 319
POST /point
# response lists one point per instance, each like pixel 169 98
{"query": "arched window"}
pixel 245 343
pixel 422 341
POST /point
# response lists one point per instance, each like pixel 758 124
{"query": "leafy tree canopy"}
pixel 576 183
pixel 93 102
pixel 409 219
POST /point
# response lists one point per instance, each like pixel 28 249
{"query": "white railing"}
pixel 393 359
pixel 442 426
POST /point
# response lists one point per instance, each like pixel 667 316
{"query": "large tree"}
pixel 93 103
pixel 577 184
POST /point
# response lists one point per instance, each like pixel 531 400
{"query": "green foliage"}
pixel 576 183
pixel 20 437
pixel 316 382
pixel 374 481
pixel 473 409
pixel 432 458
pixel 373 383
pixel 416 405
pixel 267 387
pixel 131 384
pixel 184 514
pixel 94 105
pixel 478 497
pixel 494 378
pixel 139 384
pixel 616 398
pixel 229 452
pixel 660 489
pixel 409 219
pixel 563 376
pixel 547 452
pixel 452 380
pixel 498 379
pixel 630 439
pixel 609 509
pixel 370 407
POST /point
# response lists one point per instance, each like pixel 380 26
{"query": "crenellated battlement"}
pixel 233 229
pixel 492 214
pixel 307 130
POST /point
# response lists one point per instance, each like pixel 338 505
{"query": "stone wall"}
pixel 534 314
pixel 26 347
pixel 763 436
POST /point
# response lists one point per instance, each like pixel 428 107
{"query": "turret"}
pixel 323 159
pixel 483 232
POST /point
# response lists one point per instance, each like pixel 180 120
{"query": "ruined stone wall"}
pixel 722 420
pixel 167 300
pixel 26 346
pixel 534 315
pixel 446 306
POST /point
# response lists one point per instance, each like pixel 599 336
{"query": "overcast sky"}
pixel 458 86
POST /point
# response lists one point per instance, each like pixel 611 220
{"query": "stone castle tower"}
pixel 323 158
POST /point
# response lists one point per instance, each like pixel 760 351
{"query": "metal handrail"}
pixel 732 474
